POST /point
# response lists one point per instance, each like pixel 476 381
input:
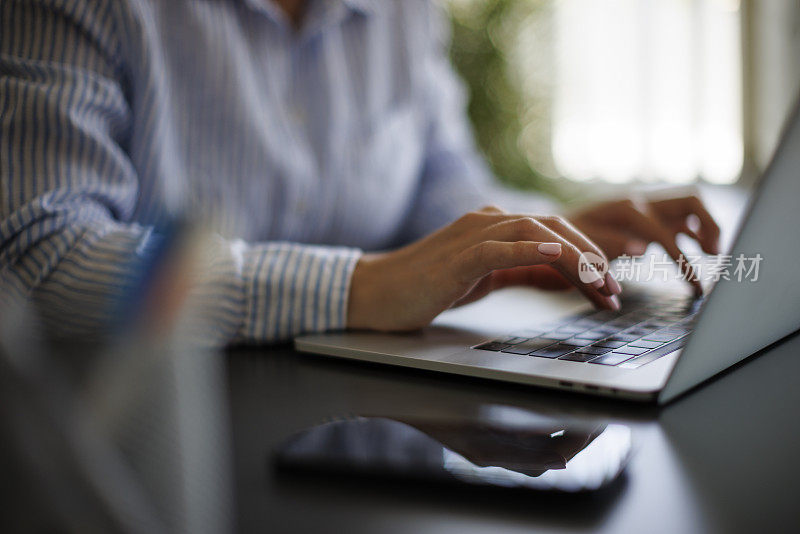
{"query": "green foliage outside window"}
pixel 506 115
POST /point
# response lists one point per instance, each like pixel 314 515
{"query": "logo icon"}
pixel 591 267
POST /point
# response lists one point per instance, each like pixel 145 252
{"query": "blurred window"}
pixel 615 90
pixel 648 89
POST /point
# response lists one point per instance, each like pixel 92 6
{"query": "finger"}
pixel 616 243
pixel 585 245
pixel 510 227
pixel 571 264
pixel 539 276
pixel 653 230
pixel 590 283
pixel 547 278
pixel 487 256
pixel 513 228
pixel 709 231
pixel 686 229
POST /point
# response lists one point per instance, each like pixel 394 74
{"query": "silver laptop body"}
pixel 736 320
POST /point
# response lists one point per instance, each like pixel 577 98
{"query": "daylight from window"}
pixel 647 89
pixel 612 90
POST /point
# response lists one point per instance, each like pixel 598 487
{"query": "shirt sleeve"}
pixel 68 191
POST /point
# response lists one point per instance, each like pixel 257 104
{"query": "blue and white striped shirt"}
pixel 299 147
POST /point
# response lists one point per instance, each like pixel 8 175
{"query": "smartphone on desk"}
pixel 530 452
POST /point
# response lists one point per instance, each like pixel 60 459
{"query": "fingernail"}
pixel 594 279
pixel 550 249
pixel 615 303
pixel 635 248
pixel 612 284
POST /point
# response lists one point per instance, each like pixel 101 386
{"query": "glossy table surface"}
pixel 723 458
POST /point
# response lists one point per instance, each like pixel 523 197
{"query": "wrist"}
pixel 363 291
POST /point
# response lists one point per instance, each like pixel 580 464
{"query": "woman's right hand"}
pixel 406 289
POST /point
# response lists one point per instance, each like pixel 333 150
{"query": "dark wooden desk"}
pixel 722 459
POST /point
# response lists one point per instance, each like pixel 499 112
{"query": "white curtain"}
pixel 648 89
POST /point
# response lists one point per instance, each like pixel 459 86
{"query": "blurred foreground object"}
pixel 129 437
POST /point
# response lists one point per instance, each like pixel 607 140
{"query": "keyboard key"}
pixel 654 325
pixel 635 351
pixel 612 358
pixel 639 361
pixel 639 332
pixel 493 346
pixel 511 340
pixel 530 346
pixel 518 349
pixel 578 357
pixel 620 323
pixel 588 323
pixel 603 316
pixel 557 336
pixel 662 336
pixel 645 359
pixel 528 334
pixel 607 343
pixel 597 351
pixel 607 330
pixel 623 322
pixel 554 351
pixel 571 328
pixel 578 342
pixel 677 329
pixel 592 335
pixel 646 344
pixel 627 338
pixel 654 354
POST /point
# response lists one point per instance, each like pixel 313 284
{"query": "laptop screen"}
pixel 759 302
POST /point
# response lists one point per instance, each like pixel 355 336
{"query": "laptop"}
pixel 662 343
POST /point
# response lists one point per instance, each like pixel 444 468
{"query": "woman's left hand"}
pixel 627 226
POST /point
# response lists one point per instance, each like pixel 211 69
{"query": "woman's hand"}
pixel 628 226
pixel 405 289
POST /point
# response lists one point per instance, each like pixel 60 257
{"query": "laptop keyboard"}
pixel 646 328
